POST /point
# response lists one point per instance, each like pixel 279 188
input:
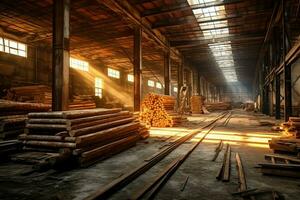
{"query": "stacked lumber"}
pixel 168 102
pixel 217 106
pixel 7 147
pixel 158 111
pixel 290 139
pixel 20 108
pixel 82 102
pixel 89 135
pixel 30 94
pixel 196 104
pixel 12 126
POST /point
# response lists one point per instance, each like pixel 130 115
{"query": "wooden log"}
pixel 105 134
pixel 99 122
pixel 287 170
pixel 282 157
pixel 241 173
pixel 50 144
pixel 226 174
pixel 107 150
pixel 47 121
pixel 47 138
pixel 115 137
pixel 74 113
pixel 100 127
pixel 47 126
pixel 11 134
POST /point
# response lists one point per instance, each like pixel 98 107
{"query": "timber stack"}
pixel 13 116
pixel 218 106
pixel 84 135
pixel 290 139
pixel 43 94
pixel 196 104
pixel 159 111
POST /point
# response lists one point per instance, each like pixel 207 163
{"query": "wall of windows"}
pixel 151 83
pixel 13 47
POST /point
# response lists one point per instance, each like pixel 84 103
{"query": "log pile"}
pixel 12 126
pixel 196 104
pixel 30 94
pixel 218 106
pixel 20 108
pixel 89 135
pixel 158 111
pixel 43 94
pixel 290 139
pixel 81 102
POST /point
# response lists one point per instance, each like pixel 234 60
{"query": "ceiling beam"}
pixel 183 7
pixel 124 9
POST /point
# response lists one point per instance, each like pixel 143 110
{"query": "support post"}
pixel 286 71
pixel 61 55
pixel 167 73
pixel 198 84
pixel 277 97
pixel 180 77
pixel 137 67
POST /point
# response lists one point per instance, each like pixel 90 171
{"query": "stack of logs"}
pixel 85 135
pixel 81 102
pixel 290 139
pixel 159 111
pixel 43 94
pixel 196 104
pixel 30 94
pixel 13 116
pixel 218 106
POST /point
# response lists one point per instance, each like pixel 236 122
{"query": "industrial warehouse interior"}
pixel 150 99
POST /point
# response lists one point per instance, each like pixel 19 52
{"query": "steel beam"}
pixel 137 67
pixel 61 55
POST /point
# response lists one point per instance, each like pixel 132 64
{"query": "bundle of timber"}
pixel 90 135
pixel 20 108
pixel 196 104
pixel 168 102
pixel 12 126
pixel 30 94
pixel 156 111
pixel 218 106
pixel 290 139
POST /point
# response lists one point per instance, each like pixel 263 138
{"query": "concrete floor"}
pixel 243 132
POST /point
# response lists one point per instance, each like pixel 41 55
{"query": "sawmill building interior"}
pixel 150 99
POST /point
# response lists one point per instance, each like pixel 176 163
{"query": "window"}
pixel 113 73
pixel 175 89
pixel 150 83
pixel 98 87
pixel 158 85
pixel 130 78
pixel 13 47
pixel 79 64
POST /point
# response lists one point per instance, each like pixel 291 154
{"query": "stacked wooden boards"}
pixel 159 111
pixel 30 94
pixel 43 94
pixel 218 106
pixel 11 126
pixel 89 135
pixel 290 140
pixel 196 104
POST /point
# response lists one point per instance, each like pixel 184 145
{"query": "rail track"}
pixel 153 187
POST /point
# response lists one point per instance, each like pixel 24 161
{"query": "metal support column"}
pixel 137 67
pixel 61 55
pixel 180 76
pixel 167 73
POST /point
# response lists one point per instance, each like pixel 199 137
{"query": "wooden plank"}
pixel 287 170
pixel 241 173
pixel 226 173
pixel 282 157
